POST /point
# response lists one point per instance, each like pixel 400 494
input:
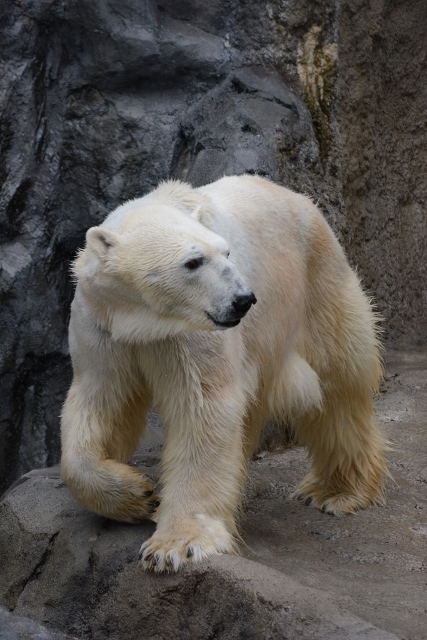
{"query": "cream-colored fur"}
pixel 143 333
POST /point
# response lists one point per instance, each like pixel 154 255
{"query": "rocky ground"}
pixel 302 574
pixel 375 563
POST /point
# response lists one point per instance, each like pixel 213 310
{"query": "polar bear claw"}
pixel 193 541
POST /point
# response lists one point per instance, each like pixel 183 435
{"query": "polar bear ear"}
pixel 197 213
pixel 100 240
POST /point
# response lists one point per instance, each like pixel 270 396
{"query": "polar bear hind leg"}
pixel 346 451
pixel 345 445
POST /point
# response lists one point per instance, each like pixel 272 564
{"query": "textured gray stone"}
pixel 79 574
pixel 14 627
pixel 381 111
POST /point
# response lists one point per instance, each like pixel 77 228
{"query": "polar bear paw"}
pixel 192 541
pixel 337 497
pixel 135 505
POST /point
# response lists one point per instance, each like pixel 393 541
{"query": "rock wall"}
pixel 382 115
pixel 100 101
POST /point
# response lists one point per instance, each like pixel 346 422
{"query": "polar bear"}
pixel 221 306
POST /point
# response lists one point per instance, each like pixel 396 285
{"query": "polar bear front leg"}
pixel 102 420
pixel 97 441
pixel 203 472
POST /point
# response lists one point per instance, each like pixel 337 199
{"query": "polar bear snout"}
pixel 243 303
pixel 231 317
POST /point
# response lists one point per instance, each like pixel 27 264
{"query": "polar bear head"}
pixel 154 270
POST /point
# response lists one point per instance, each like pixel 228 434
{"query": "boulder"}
pixel 302 574
pixel 79 574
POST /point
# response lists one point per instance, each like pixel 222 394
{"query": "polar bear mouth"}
pixel 225 325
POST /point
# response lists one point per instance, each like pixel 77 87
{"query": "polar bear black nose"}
pixel 244 302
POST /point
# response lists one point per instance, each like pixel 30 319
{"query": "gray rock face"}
pixel 14 627
pixel 100 101
pixel 382 89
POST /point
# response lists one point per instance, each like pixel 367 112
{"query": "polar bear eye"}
pixel 191 265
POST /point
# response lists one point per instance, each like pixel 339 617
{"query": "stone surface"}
pixel 14 627
pixel 302 574
pixel 80 574
pixel 381 113
pixel 100 101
